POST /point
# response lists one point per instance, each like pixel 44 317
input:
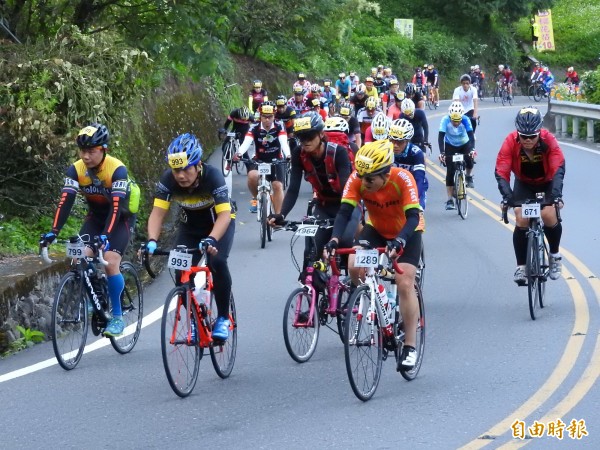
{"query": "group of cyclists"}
pixel 364 160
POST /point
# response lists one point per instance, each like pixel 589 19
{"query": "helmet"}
pixel 342 75
pixel 327 83
pixel 315 88
pixel 380 126
pixel 407 107
pixel 281 100
pixel 379 76
pixel 345 109
pixel 472 69
pixel 257 84
pixel 394 82
pixel 401 130
pixel 400 95
pixel 369 79
pixel 244 113
pixel 298 90
pixel 184 151
pixel 570 69
pixel 337 124
pixel 380 67
pixel 301 76
pixel 456 111
pixel 476 66
pixel 500 67
pixel 309 123
pixel 373 70
pixel 361 88
pixel 371 103
pixel 352 74
pixel 315 102
pixel 430 66
pixel 374 158
pixel 465 77
pixel 410 88
pixel 267 108
pixel 387 70
pixel 545 69
pixel 93 135
pixel 529 120
pixel 418 69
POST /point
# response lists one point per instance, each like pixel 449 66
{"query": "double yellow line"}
pixel 570 354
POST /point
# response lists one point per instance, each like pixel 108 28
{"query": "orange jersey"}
pixel 387 206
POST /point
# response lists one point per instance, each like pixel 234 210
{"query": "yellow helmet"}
pixel 374 158
pixel 371 103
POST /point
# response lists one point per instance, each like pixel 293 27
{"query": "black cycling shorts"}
pixel 119 238
pixel 412 250
pixel 277 171
pixel 450 150
pixel 525 191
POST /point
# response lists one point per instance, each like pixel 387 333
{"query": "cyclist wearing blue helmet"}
pixel 206 216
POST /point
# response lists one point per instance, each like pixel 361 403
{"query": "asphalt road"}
pixel 486 363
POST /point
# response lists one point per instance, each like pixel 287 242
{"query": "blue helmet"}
pixel 93 135
pixel 184 143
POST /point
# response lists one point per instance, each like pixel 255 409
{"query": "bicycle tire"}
pixel 538 94
pixel 223 354
pixel 300 338
pixel 227 158
pixel 180 359
pixel 363 380
pixel 132 305
pixel 462 203
pixel 532 270
pixel 262 211
pixel 530 91
pixel 343 297
pixel 510 99
pixel 269 211
pixel 69 321
pixel 503 97
pixel 420 276
pixel 411 374
pixel 544 270
pixel 496 94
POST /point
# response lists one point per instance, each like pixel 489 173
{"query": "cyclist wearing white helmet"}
pixel 379 128
pixel 418 120
pixel 455 136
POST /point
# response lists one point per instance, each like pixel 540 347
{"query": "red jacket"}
pixel 508 161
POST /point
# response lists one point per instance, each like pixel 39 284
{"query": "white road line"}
pixel 585 149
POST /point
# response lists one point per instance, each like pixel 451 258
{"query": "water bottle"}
pixel 200 292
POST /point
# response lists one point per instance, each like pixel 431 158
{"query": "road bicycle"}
pixel 230 147
pixel 537 267
pixel 430 98
pixel 501 94
pixel 82 297
pixel 374 329
pixel 321 299
pixel 532 88
pixel 188 318
pixel 460 185
pixel 540 92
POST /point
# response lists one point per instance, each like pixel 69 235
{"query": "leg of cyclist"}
pixel 252 183
pixel 521 193
pixel 277 184
pixel 469 165
pixel 448 152
pixel 553 232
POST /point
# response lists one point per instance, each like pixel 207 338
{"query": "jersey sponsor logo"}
pixel 200 202
pixel 120 185
pixel 220 191
pixel 70 182
pixel 94 190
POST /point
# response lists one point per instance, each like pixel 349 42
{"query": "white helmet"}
pixel 361 88
pixel 407 107
pixel 401 130
pixel 476 66
pixel 380 127
pixel 336 124
pixel 456 111
pixel 501 67
pixel 315 88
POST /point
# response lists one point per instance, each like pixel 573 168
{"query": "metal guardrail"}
pixel 562 110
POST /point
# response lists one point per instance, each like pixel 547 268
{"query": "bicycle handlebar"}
pixel 43 249
pixel 349 251
pixel 164 252
pixel 505 207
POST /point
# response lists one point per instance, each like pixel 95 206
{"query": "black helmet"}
pixel 93 135
pixel 529 120
pixel 410 88
pixel 309 123
pixel 281 100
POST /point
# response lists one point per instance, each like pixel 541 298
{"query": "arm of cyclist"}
pixel 413 216
pixel 503 170
pixel 118 196
pixel 441 145
pixel 248 139
pixel 419 173
pixel 283 141
pixel 291 194
pixel 424 123
pixel 67 199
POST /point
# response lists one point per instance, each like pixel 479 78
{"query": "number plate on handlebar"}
pixel 75 250
pixel 307 230
pixel 179 260
pixel 531 211
pixel 366 258
pixel 264 169
pixel 231 134
pixel 458 157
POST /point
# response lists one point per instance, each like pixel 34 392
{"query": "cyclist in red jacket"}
pixel 538 164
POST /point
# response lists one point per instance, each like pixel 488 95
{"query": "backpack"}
pixel 340 138
pixel 310 173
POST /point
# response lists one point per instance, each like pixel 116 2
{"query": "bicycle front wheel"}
pixel 462 204
pixel 342 310
pixel 533 272
pixel 538 94
pixel 226 158
pixel 544 271
pixel 496 95
pixel 504 97
pixel 69 321
pixel 132 304
pixel 262 211
pixel 300 327
pixel 363 345
pixel 411 374
pixel 223 354
pixel 181 357
pixel 420 277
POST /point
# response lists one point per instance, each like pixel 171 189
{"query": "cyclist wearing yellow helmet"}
pixel 395 221
pixel 257 96
pixel 366 115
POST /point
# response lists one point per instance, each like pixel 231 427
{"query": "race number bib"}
pixel 264 169
pixel 231 134
pixel 531 211
pixel 458 157
pixel 178 160
pixel 75 250
pixel 307 230
pixel 179 260
pixel 366 258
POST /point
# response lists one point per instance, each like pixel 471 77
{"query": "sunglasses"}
pixel 529 137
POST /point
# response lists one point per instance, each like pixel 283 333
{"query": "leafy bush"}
pixel 591 85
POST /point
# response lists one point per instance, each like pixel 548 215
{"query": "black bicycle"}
pixel 82 295
pixel 230 147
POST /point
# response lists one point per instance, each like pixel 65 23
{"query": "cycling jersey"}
pixel 431 76
pixel 354 128
pixel 380 86
pixel 418 79
pixel 364 119
pixel 287 117
pixel 240 126
pixel 299 107
pixel 256 98
pixel 329 96
pixel 394 112
pixel 372 92
pixel 455 136
pixel 466 97
pixel 104 188
pixel 508 75
pixel 357 102
pixel 572 78
pixel 343 87
pixel 354 81
pixel 413 160
pixel 269 144
pixel 303 84
pixel 420 126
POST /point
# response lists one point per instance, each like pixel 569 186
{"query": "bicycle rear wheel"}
pixel 69 321
pixel 181 358
pixel 132 304
pixel 300 330
pixel 223 354
pixel 363 345
pixel 226 158
pixel 420 344
pixel 462 203
pixel 533 278
pixel 538 93
pixel 504 97
pixel 262 211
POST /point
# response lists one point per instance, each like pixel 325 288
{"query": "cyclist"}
pixel 206 218
pixel 433 83
pixel 379 128
pixel 409 156
pixel 366 115
pixel 395 220
pixel 389 98
pixel 240 118
pixel 313 93
pixel 257 96
pixel 330 95
pixel 298 101
pixel 572 78
pixel 547 79
pixel 359 98
pixel 394 111
pixel 536 72
pixel 467 95
pixel 455 136
pixel 380 85
pixel 419 79
pixel 370 89
pixel 354 81
pixel 415 95
pixel 270 142
pixel 302 82
pixel 343 86
pixel 353 125
pixel 418 120
pixel 316 106
pixel 533 155
pixel 285 114
pixel 326 166
pixel 103 181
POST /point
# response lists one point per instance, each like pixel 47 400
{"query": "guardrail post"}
pixel 590 130
pixel 557 122
pixel 575 127
pixel 564 127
